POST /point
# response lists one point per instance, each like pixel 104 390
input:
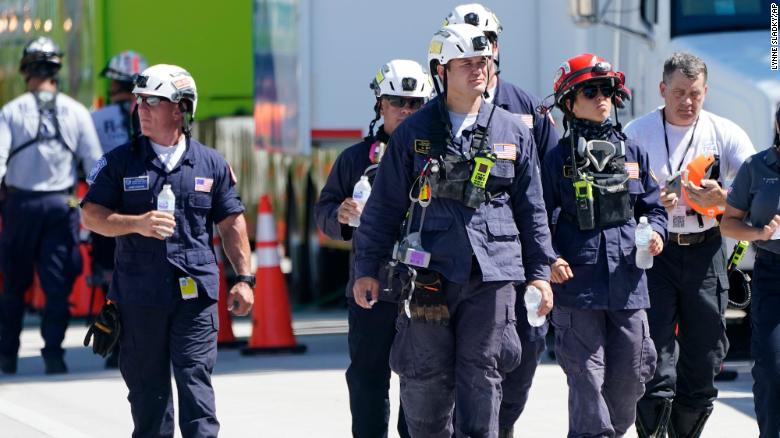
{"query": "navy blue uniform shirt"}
pixel 523 104
pixel 127 180
pixel 350 165
pixel 756 190
pixel 508 236
pixel 602 259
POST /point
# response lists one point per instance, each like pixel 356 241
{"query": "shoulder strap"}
pixel 38 137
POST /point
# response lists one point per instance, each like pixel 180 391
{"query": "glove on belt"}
pixel 104 332
pixel 429 303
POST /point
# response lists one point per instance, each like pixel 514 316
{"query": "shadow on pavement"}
pixel 324 352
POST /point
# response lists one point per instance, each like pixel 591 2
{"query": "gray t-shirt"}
pixel 756 190
pixel 48 165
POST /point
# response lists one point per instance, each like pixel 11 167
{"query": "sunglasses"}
pixel 400 101
pixel 150 100
pixel 591 91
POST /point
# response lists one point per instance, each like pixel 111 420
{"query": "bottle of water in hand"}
pixel 642 237
pixel 533 298
pixel 166 202
pixel 360 194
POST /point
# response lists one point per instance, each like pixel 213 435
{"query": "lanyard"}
pixel 666 143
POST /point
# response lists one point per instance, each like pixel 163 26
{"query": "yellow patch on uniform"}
pixel 435 47
pixel 422 146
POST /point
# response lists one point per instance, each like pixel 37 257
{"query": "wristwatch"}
pixel 248 279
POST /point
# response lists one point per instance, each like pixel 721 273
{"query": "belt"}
pixel 14 190
pixel 687 239
pixel 767 256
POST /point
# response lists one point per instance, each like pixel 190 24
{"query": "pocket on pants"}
pixel 561 320
pixel 510 355
pixel 421 350
pixel 648 356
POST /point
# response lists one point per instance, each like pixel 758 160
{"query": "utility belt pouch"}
pixel 613 203
pixel 453 177
pixel 429 302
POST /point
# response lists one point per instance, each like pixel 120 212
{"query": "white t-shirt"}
pixel 170 155
pixel 491 93
pixel 713 135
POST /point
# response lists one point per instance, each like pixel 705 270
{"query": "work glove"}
pixel 105 329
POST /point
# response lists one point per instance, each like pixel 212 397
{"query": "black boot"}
pixel 8 364
pixel 55 365
pixel 687 422
pixel 652 417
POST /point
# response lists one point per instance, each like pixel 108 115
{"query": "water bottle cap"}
pixel 166 186
pixel 643 220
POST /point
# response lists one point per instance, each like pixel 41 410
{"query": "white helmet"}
pixel 402 77
pixel 169 81
pixel 477 15
pixel 124 66
pixel 457 41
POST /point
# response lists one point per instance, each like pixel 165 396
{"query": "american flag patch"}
pixel 505 151
pixel 203 184
pixel 527 119
pixel 633 170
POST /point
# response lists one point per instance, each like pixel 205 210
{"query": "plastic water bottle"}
pixel 166 201
pixel 642 237
pixel 360 194
pixel 533 298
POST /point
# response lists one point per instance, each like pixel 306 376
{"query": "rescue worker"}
pixel 463 176
pixel 506 95
pixel 44 136
pixel 115 126
pixel 401 88
pixel 688 282
pixel 166 280
pixel 602 184
pixel 752 214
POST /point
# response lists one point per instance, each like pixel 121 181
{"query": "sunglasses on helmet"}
pixel 150 100
pixel 590 91
pixel 400 101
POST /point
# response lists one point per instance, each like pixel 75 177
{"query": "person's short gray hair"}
pixel 689 65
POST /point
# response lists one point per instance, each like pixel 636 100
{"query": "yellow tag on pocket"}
pixel 188 288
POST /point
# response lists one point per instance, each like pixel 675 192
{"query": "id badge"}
pixel 188 288
pixel 678 217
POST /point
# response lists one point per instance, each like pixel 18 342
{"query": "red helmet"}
pixel 583 68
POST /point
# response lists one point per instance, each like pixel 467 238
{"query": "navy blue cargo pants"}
pixel 765 344
pixel 458 366
pixel 371 333
pixel 154 339
pixel 40 233
pixel 517 384
pixel 607 356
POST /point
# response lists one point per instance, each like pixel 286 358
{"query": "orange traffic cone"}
pixel 271 322
pixel 225 336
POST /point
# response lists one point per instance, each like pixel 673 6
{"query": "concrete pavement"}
pixel 272 396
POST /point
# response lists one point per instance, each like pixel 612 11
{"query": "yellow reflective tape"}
pixel 435 47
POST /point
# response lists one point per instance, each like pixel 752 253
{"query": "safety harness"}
pixel 47 109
